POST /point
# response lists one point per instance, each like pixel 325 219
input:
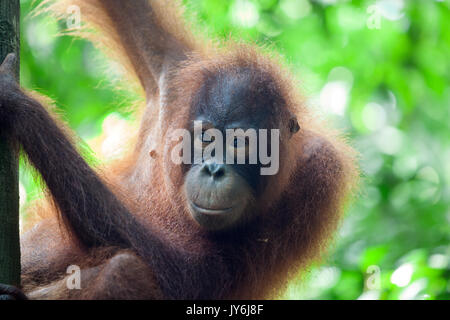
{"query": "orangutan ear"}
pixel 294 127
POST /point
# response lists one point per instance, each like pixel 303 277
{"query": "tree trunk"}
pixel 9 177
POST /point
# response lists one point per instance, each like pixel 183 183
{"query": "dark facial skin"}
pixel 222 196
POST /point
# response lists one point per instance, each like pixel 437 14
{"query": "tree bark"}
pixel 9 177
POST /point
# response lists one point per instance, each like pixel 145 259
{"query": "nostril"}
pixel 205 169
pixel 213 169
pixel 219 172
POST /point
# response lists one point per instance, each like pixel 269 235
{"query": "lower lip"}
pixel 210 211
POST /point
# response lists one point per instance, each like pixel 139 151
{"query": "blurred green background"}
pixel 380 70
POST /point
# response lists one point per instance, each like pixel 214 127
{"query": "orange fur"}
pixel 319 156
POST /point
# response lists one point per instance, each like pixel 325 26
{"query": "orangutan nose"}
pixel 213 169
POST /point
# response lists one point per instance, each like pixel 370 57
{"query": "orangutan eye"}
pixel 240 142
pixel 236 142
pixel 240 145
pixel 204 139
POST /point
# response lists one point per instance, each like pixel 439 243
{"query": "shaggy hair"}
pixel 128 226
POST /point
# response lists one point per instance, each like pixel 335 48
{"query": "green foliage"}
pixel 387 87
